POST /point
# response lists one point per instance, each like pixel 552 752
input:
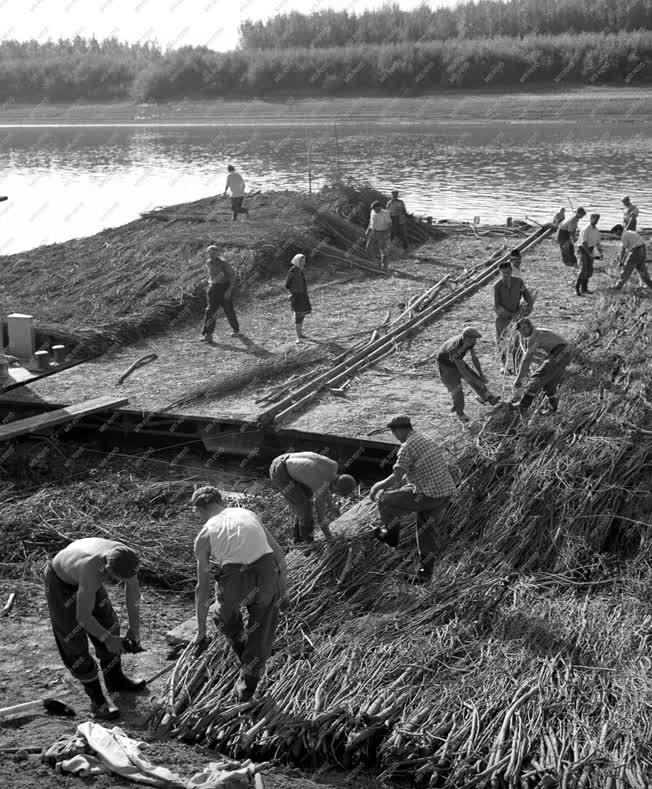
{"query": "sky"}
pixel 171 23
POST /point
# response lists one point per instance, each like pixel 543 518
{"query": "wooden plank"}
pixel 40 422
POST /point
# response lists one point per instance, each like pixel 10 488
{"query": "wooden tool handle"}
pixel 27 706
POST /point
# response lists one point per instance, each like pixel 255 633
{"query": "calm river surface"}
pixel 66 182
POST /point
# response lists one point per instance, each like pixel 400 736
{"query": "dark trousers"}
pixel 586 270
pixel 236 207
pixel 548 376
pixel 635 260
pixel 214 300
pixel 70 637
pixel 398 230
pixel 452 380
pixel 299 497
pixel 256 587
pixel 395 504
pixel 567 248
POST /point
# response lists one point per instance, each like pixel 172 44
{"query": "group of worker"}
pixel 386 226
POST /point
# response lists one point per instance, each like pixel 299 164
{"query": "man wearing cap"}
pixel 377 233
pixel 589 240
pixel 80 609
pixel 304 478
pixel 251 573
pixel 632 255
pixel 548 375
pixel 511 301
pixel 235 182
pixel 452 368
pixel 566 236
pixel 219 293
pixel 630 214
pixel 428 491
pixel 398 217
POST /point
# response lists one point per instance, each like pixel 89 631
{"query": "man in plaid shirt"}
pixel 428 492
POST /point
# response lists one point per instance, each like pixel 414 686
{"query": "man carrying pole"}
pixel 428 491
pixel 453 368
pixel 509 292
pixel 80 609
pixel 219 293
pixel 630 214
pixel 304 478
pixel 251 572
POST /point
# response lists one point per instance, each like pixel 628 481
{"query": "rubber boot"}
pixel 578 287
pixel 525 403
pixel 585 286
pixel 117 682
pixel 101 709
pixel 553 405
pixel 246 686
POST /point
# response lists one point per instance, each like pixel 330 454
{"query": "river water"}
pixel 66 182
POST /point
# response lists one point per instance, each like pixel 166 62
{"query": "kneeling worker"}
pixel 80 609
pixel 252 573
pixel 304 477
pixel 429 489
pixel 550 374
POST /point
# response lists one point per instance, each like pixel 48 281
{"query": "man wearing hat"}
pixel 452 368
pixel 630 214
pixel 589 240
pixel 423 485
pixel 566 236
pixel 378 233
pixel 304 478
pixel 398 217
pixel 632 254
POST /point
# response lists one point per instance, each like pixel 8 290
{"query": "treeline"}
pixel 144 74
pixel 484 19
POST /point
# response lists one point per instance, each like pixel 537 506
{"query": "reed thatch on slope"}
pixel 526 661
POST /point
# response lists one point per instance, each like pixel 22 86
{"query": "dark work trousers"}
pixel 70 637
pixel 214 300
pixel 548 376
pixel 635 260
pixel 236 207
pixel 399 230
pixel 567 248
pixel 257 587
pixel 452 380
pixel 586 270
pixel 299 497
pixel 395 504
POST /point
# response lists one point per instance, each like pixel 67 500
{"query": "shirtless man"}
pixel 304 478
pixel 80 609
pixel 251 572
pixel 548 375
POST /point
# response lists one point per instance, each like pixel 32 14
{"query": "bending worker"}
pixel 304 477
pixel 632 256
pixel 548 375
pixel 509 293
pixel 80 609
pixel 420 463
pixel 251 572
pixel 452 368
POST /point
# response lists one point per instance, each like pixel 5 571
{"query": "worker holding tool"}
pixel 304 478
pixel 632 256
pixel 235 182
pixel 219 293
pixel 300 305
pixel 589 240
pixel 548 375
pixel 251 572
pixel 377 233
pixel 428 491
pixel 453 368
pixel 509 294
pixel 80 609
pixel 630 214
pixel 566 236
pixel 398 218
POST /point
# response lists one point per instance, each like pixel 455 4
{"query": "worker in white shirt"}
pixel 377 233
pixel 251 572
pixel 566 235
pixel 630 214
pixel 235 182
pixel 632 256
pixel 588 241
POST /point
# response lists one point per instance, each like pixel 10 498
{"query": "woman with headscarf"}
pixel 299 300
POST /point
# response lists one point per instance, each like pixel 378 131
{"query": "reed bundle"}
pixel 525 663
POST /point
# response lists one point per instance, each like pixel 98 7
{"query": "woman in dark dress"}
pixel 299 300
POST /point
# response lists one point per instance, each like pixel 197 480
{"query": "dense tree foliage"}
pixel 483 19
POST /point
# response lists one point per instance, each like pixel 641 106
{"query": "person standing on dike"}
pixel 299 299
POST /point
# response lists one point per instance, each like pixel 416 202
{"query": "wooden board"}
pixel 35 424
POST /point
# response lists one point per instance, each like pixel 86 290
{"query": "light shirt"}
pixel 590 236
pixel 570 224
pixel 236 184
pixel 630 239
pixel 236 537
pixel 380 220
pixel 425 467
pixel 311 469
